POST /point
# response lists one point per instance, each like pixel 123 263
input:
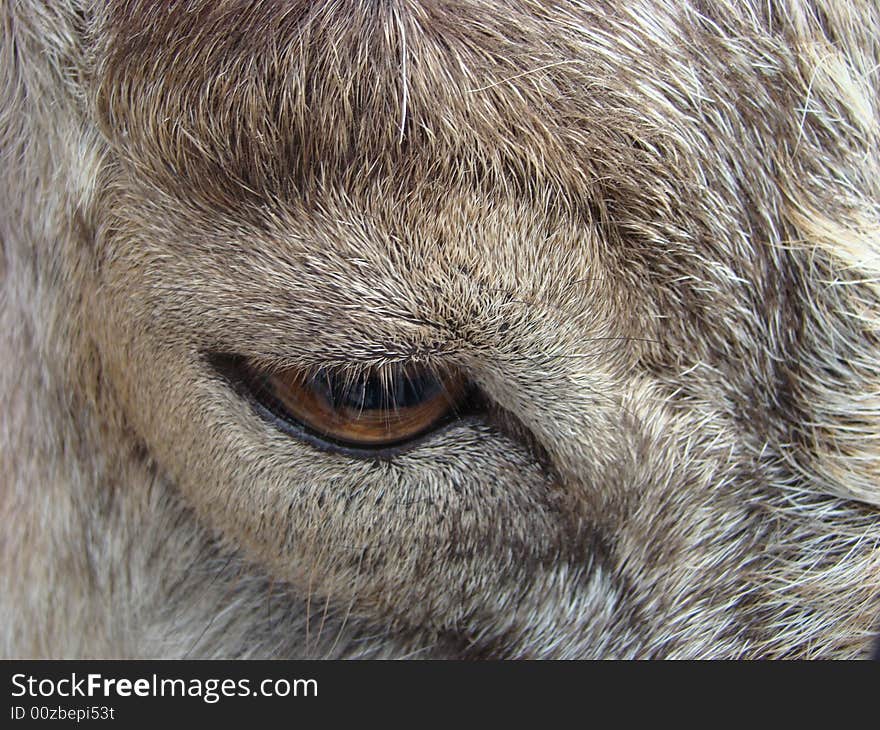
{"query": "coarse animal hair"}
pixel 648 231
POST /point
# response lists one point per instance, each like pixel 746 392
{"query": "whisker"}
pixel 530 72
pixel 348 611
pixel 323 620
pixel 214 616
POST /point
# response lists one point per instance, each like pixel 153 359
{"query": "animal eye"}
pixel 366 409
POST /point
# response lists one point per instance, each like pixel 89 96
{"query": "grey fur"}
pixel 649 231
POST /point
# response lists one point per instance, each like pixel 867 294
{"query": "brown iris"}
pixel 373 408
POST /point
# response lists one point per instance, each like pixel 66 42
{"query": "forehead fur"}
pixel 266 97
pixel 597 114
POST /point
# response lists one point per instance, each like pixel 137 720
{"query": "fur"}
pixel 649 231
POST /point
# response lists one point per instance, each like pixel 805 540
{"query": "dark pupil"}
pixel 371 391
